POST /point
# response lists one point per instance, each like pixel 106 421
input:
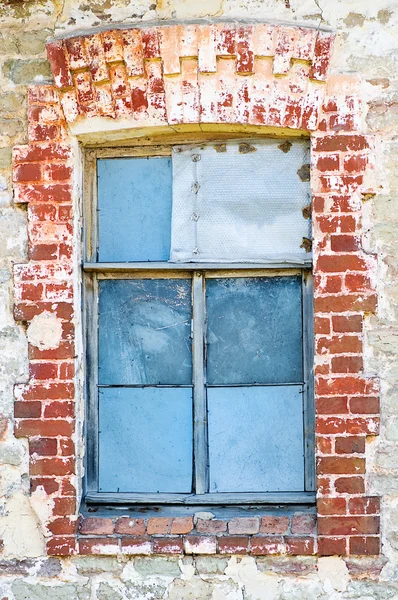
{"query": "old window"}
pixel 199 324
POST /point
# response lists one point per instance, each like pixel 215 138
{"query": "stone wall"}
pixel 366 45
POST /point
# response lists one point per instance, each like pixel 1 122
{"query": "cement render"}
pixel 367 45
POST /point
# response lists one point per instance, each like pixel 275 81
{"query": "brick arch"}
pixel 260 78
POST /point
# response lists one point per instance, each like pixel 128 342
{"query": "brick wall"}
pixel 253 76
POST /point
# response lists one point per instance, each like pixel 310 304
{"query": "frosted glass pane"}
pixel 145 440
pixel 145 331
pixel 256 439
pixel 134 209
pixel 244 203
pixel 254 331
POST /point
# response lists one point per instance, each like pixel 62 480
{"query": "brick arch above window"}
pixel 248 78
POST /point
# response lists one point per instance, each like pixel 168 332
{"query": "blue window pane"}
pixel 145 332
pixel 145 440
pixel 134 209
pixel 254 330
pixel 256 439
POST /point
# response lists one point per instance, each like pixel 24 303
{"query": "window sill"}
pixel 179 530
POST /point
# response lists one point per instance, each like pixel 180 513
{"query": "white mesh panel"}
pixel 241 204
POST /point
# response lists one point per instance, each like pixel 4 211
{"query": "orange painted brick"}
pixel 158 525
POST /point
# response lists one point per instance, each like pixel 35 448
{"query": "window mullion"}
pixel 199 394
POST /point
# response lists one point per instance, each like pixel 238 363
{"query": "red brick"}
pixel 303 524
pixel 349 324
pixel 324 445
pixel 322 325
pixel 340 465
pixel 63 526
pixel 233 544
pixel 52 466
pixel 43 446
pixel 64 506
pixel 66 447
pixel 32 291
pixel 26 312
pixel 41 153
pixel 61 546
pixel 54 192
pixel 344 243
pixel 342 184
pixel 181 525
pixel 244 525
pixel 350 445
pixel 136 545
pixel 339 344
pixel 55 409
pixel 64 350
pixel 164 545
pixel 42 212
pixel 57 56
pixel 365 405
pixel 355 282
pixel 366 545
pixel 350 485
pixel 212 526
pixel 300 545
pixel 43 251
pixel 345 384
pixel 348 525
pixel 337 405
pixel 330 284
pixel 49 484
pixel 43 132
pixel 96 526
pixel 340 224
pixel 128 526
pixel 347 364
pixel 343 143
pixel 330 546
pixel 66 370
pixel 27 172
pixel 99 546
pixel 332 506
pixel 368 505
pixel 158 525
pixel 67 487
pixel 341 263
pixel 348 302
pixel 43 370
pixel 274 525
pixel 337 425
pixel 318 204
pixel 330 162
pixel 57 172
pixel 260 545
pixel 356 163
pixel 51 391
pixel 27 410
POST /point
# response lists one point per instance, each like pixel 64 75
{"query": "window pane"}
pixel 256 439
pixel 145 440
pixel 134 209
pixel 241 202
pixel 145 332
pixel 254 332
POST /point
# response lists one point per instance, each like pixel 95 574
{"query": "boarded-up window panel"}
pixel 145 440
pixel 145 332
pixel 241 202
pixel 134 209
pixel 254 332
pixel 256 439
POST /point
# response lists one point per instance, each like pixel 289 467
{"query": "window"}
pixel 199 324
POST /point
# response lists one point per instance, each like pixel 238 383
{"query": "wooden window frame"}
pixel 93 271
